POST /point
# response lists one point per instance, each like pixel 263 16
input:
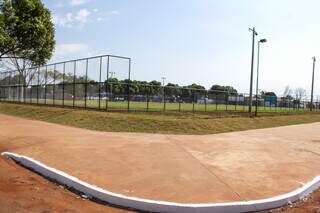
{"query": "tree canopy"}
pixel 224 89
pixel 26 31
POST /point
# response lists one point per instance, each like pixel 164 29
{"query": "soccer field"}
pixel 159 106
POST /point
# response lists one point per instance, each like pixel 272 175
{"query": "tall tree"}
pixel 193 92
pixel 26 35
pixel 300 93
pixel 222 92
pixel 287 93
pixel 172 89
pixel 155 88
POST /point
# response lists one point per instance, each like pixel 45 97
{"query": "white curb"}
pixel 162 206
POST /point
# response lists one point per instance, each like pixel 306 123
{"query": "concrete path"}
pixel 226 167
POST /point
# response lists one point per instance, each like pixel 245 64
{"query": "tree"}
pixel 26 31
pixel 222 92
pixel 287 93
pixel 142 87
pixel 49 77
pixel 172 89
pixel 155 88
pixel 300 93
pixel 26 36
pixel 114 86
pixel 270 94
pixel 6 41
pixel 193 92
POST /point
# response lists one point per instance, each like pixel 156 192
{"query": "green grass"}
pixel 171 122
pixel 156 106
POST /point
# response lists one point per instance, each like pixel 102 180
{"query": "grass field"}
pixel 171 122
pixel 156 106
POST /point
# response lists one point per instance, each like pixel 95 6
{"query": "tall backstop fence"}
pixel 91 83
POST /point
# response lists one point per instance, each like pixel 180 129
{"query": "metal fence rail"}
pixel 89 83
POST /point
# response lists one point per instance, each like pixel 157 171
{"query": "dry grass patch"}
pixel 172 123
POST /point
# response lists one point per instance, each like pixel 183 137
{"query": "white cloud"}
pixel 71 20
pixel 78 2
pixel 79 18
pixel 82 16
pixel 64 21
pixel 65 50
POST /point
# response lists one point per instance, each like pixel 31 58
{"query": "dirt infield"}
pixel 214 168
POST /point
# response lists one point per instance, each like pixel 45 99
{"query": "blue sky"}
pixel 195 41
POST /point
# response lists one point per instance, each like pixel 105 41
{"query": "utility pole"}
pixel 312 86
pixel 258 65
pixel 254 33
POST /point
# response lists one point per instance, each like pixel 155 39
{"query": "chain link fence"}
pixel 89 83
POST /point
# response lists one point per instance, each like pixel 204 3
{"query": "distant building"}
pixel 270 100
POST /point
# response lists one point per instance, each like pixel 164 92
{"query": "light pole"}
pixel 112 73
pixel 254 33
pixel 258 63
pixel 312 85
pixel 163 79
pixel 163 95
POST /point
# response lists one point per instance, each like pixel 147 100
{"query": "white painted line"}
pixel 162 206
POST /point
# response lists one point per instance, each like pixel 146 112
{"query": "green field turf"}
pixel 157 106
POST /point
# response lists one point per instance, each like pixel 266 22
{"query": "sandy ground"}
pixel 214 168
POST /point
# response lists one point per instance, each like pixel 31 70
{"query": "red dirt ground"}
pixel 23 191
pixel 310 205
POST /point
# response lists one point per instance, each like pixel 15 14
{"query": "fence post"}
pixel 164 98
pixel 128 108
pixel 236 102
pixel 193 100
pixel 107 83
pixel 216 97
pixel 148 94
pixel 180 100
pixel 54 84
pixel 106 90
pixel 45 85
pixel 128 96
pixel 38 85
pixel 205 100
pixel 2 88
pixel 19 87
pixel 86 85
pixel 31 87
pixel 226 100
pixel 9 87
pixel 100 68
pixel 74 83
pixel 24 91
pixel 63 82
